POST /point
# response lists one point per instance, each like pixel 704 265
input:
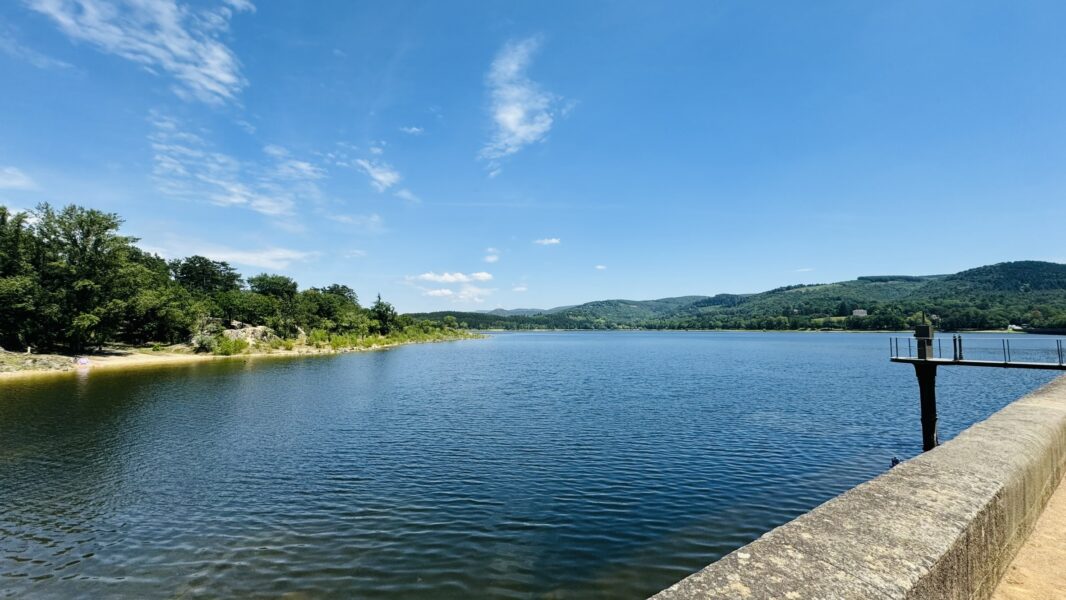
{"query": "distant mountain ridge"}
pixel 1023 293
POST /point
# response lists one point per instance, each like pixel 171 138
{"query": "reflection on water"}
pixel 526 465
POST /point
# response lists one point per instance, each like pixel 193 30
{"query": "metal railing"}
pixel 1006 350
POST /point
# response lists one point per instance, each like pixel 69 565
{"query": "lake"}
pixel 525 465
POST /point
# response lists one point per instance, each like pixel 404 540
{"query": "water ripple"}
pixel 578 465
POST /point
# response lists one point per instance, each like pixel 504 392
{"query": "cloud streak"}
pixel 372 223
pixel 264 258
pixel 10 46
pixel 548 242
pixel 12 178
pixel 160 35
pixel 186 165
pixel 454 277
pixel 522 113
pixel 382 176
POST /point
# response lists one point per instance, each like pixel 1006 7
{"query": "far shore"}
pixel 124 358
pixel 899 331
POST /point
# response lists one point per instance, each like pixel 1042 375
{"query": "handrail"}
pixel 1050 351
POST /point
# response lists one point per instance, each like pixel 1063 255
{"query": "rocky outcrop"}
pixel 253 334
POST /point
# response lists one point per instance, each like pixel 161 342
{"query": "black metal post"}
pixel 926 373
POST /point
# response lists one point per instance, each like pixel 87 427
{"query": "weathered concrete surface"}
pixel 943 525
pixel 1038 572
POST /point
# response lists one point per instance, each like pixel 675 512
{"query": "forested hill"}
pixel 1025 293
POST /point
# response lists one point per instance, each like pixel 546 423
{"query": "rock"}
pixel 254 335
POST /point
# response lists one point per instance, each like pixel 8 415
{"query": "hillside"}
pixel 1025 293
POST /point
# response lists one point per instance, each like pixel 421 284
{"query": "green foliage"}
pixel 204 276
pixel 204 342
pixel 69 281
pixel 1028 293
pixel 318 337
pixel 383 316
pixel 225 346
pixel 275 286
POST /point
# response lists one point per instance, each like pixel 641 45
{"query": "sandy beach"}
pixel 51 365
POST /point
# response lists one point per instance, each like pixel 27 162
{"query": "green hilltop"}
pixel 1028 294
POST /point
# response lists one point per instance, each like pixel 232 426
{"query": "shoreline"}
pixel 638 329
pixel 141 358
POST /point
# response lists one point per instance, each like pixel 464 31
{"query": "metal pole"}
pixel 1004 344
pixel 1008 350
pixel 926 373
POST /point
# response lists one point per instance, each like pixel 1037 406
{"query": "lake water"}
pixel 562 465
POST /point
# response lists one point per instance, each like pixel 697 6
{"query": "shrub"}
pixel 204 343
pixel 317 337
pixel 228 347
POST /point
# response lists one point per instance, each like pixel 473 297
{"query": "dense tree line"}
pixel 69 281
pixel 1028 294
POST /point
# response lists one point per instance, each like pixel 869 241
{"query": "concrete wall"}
pixel 943 525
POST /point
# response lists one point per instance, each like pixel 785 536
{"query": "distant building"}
pixel 859 312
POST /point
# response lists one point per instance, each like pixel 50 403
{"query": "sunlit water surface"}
pixel 526 465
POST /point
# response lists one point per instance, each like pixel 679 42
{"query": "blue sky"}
pixel 472 155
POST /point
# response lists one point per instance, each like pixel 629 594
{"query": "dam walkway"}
pixel 1039 570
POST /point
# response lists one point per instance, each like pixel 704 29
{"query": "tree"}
pixel 384 314
pixel 82 267
pixel 276 286
pixel 205 276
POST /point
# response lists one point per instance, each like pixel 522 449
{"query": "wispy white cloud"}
pixel 382 176
pixel 13 178
pixel 355 254
pixel 13 48
pixel 804 270
pixel 522 112
pixel 471 293
pixel 270 257
pixel 412 130
pixel 601 267
pixel 408 196
pixel 179 39
pixel 187 165
pixel 520 288
pixel 439 293
pixel 492 255
pixel 548 241
pixel 453 277
pixel 372 223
